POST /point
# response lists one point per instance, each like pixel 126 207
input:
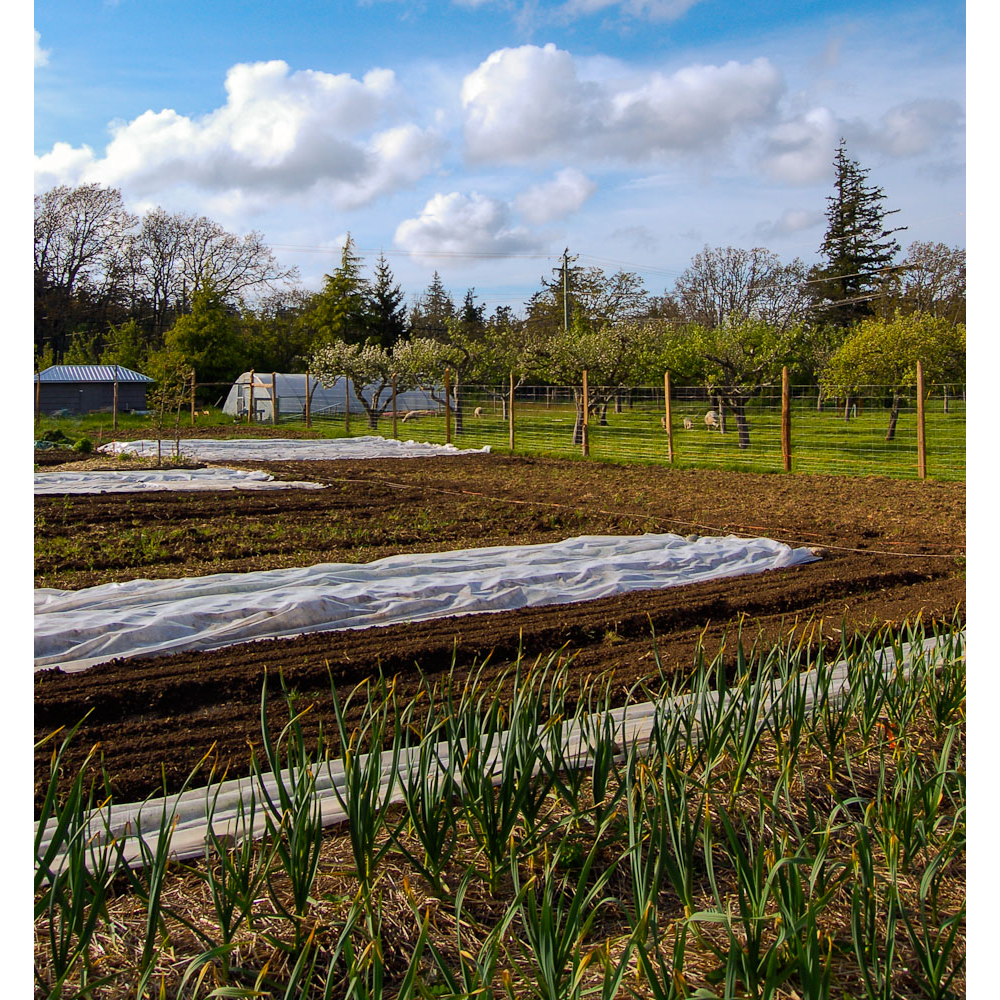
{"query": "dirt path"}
pixel 894 549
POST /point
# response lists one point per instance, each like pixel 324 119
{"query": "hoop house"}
pixel 326 401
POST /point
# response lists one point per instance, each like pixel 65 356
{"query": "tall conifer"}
pixel 858 248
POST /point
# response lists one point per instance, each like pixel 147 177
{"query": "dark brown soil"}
pixel 893 550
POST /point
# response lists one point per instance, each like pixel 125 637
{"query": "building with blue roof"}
pixel 90 389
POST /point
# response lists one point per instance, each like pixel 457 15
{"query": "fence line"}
pixel 781 427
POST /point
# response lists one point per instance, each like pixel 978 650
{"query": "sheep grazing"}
pixel 711 419
pixel 478 411
pixel 687 424
pixel 413 414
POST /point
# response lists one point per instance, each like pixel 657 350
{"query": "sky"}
pixel 481 138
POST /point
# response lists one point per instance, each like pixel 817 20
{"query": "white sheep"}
pixel 711 419
pixel 478 411
pixel 687 424
pixel 413 414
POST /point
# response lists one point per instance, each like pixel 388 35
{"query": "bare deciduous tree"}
pixel 746 284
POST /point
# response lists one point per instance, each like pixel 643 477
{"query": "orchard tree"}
pixel 369 368
pixel 735 360
pixel 858 249
pixel 884 353
pixel 613 355
pixel 424 361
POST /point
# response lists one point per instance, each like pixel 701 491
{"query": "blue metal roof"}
pixel 91 373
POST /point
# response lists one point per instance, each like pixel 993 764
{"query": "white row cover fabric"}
pixel 158 480
pixel 227 806
pixel 292 449
pixel 75 629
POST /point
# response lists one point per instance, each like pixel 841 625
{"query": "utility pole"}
pixel 566 289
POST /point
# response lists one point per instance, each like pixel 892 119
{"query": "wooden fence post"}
pixel 193 385
pixel 308 403
pixel 347 404
pixel 447 406
pixel 395 434
pixel 114 402
pixel 38 398
pixel 274 398
pixel 510 411
pixel 250 414
pixel 921 439
pixel 786 421
pixel 586 416
pixel 667 422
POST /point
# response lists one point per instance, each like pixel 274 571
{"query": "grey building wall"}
pixel 86 397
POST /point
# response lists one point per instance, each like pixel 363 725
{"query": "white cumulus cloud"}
pixel 917 126
pixel 459 223
pixel 800 151
pixel 534 102
pixel 278 133
pixel 561 196
pixel 41 55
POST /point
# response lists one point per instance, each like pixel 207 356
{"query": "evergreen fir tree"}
pixel 857 247
pixel 386 313
pixel 339 311
pixel 429 316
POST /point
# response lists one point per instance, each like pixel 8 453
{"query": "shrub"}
pixel 85 446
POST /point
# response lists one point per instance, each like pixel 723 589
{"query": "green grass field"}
pixel 822 441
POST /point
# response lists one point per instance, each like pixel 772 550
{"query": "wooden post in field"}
pixel 510 412
pixel 253 378
pixel 667 423
pixel 38 398
pixel 786 421
pixel 114 402
pixel 274 398
pixel 586 416
pixel 395 433
pixel 722 414
pixel 447 406
pixel 347 404
pixel 308 403
pixel 193 384
pixel 921 440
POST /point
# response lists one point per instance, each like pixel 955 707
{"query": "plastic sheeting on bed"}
pixel 157 480
pixel 293 449
pixel 76 629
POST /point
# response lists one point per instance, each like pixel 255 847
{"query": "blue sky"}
pixel 480 138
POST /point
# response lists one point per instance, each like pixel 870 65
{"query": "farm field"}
pixel 894 549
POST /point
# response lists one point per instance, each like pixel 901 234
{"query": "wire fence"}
pixel 629 424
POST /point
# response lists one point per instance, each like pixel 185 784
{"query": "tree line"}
pixel 172 291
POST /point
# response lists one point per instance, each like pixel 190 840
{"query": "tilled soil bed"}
pixel 893 550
